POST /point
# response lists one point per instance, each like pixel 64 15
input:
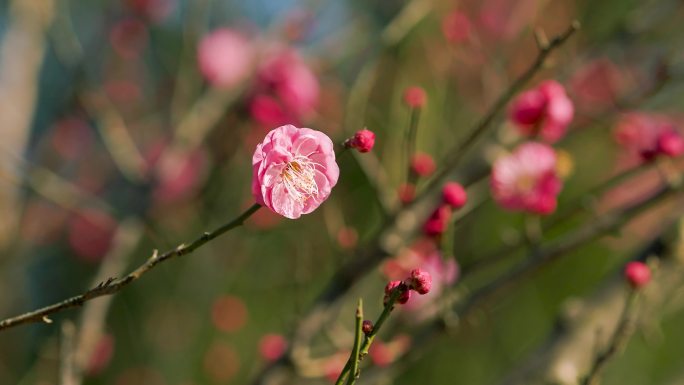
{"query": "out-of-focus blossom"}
pixel 527 179
pixel 505 19
pixel 422 164
pixel 272 347
pixel 454 195
pixel 385 353
pixel 438 221
pixel 347 237
pixel 334 365
pixel 406 193
pixel 294 170
pixel 649 135
pixel 229 313
pixel 221 362
pixel 101 356
pixel 286 89
pixel 128 37
pixel 637 274
pixel 415 97
pixel 154 10
pixel 456 27
pixel 178 174
pixel 91 233
pixel 225 58
pixel 363 141
pixel 596 85
pixel 544 111
pixel 71 137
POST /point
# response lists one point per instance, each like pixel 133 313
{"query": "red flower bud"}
pixel 637 274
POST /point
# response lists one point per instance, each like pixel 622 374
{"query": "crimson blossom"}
pixel 545 111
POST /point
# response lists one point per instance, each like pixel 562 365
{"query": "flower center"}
pixel 298 177
pixel 525 183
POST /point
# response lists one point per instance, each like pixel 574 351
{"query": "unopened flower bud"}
pixel 415 97
pixel 391 286
pixel 367 327
pixel 420 281
pixel 438 222
pixel 637 274
pixel 422 164
pixel 363 140
pixel 454 195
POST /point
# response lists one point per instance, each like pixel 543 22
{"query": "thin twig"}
pixel 363 350
pixel 358 335
pixel 455 154
pixel 111 286
pixel 623 331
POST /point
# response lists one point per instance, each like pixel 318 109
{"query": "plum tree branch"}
pixel 114 285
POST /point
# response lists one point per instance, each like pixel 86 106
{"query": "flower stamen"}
pixel 299 179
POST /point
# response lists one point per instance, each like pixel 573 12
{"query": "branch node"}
pixel 47 320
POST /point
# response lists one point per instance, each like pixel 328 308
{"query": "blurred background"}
pixel 129 126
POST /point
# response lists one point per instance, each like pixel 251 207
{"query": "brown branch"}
pixel 112 285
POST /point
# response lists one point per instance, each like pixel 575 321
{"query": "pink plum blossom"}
pixel 294 170
pixel 545 111
pixel 456 27
pixel 225 58
pixel 527 180
pixel 649 135
pixel 286 89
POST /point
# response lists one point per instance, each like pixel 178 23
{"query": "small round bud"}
pixel 438 222
pixel 420 281
pixel 454 195
pixel 637 274
pixel 398 285
pixel 415 97
pixel 363 141
pixel 422 164
pixel 367 327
